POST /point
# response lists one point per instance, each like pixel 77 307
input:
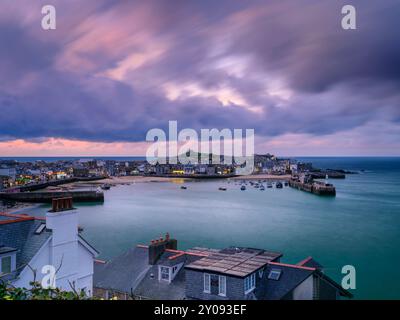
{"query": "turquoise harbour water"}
pixel 360 226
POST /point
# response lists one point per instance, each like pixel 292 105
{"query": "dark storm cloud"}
pixel 337 80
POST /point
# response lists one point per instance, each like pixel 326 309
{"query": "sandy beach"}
pixel 264 177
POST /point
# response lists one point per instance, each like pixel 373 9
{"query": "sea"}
pixel 359 227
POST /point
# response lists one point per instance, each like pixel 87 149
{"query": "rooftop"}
pixel 19 233
pixel 234 261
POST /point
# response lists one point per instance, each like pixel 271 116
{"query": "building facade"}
pixel 29 245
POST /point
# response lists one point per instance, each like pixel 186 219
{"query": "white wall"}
pixel 64 251
pixel 79 270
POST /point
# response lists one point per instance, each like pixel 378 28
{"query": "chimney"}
pixel 158 247
pixel 62 220
pixel 61 204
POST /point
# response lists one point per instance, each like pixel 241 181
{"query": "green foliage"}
pixel 37 292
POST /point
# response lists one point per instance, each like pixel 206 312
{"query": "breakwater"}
pixel 46 197
pixel 316 187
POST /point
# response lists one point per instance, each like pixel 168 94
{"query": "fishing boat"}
pixel 279 185
pixel 243 188
pixel 262 188
pixel 106 186
pixel 222 188
pixel 183 187
pixel 269 185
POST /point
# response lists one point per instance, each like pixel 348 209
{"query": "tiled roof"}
pixel 239 262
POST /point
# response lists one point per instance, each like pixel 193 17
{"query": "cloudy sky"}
pixel 112 70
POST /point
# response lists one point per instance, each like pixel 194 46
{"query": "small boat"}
pixel 222 188
pixel 262 188
pixel 243 188
pixel 269 185
pixel 106 186
pixel 279 185
pixel 183 187
pixel 286 184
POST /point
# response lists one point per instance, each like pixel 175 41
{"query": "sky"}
pixel 113 70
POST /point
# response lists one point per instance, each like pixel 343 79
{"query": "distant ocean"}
pixel 359 227
pixel 54 159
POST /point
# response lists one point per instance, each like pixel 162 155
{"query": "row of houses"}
pixel 158 270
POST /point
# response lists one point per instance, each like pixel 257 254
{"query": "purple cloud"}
pixel 112 71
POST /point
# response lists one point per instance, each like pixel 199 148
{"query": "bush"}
pixel 37 292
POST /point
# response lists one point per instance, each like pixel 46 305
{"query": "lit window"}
pixel 6 265
pixel 274 274
pixel 164 273
pixel 249 283
pixel 207 283
pixel 222 285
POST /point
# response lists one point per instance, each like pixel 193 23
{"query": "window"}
pixel 164 273
pixel 6 264
pixel 207 283
pixel 222 285
pixel 274 274
pixel 249 283
pixel 174 269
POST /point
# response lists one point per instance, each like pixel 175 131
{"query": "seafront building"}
pixel 27 244
pixel 161 271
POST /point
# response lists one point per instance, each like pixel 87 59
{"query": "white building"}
pixel 29 245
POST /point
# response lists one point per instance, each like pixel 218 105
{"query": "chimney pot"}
pixel 61 204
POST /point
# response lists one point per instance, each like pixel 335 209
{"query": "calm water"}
pixel 359 227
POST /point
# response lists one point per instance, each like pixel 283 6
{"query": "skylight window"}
pixel 40 229
pixel 164 271
pixel 274 274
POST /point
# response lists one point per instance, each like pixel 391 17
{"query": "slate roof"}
pixel 131 273
pixel 4 249
pixel 150 287
pixel 124 272
pixel 18 232
pixel 290 278
pixel 233 261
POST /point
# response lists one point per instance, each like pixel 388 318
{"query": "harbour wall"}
pixel 54 183
pixel 46 197
pixel 315 188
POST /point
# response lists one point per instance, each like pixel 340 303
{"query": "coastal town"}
pixel 40 181
pixel 159 269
